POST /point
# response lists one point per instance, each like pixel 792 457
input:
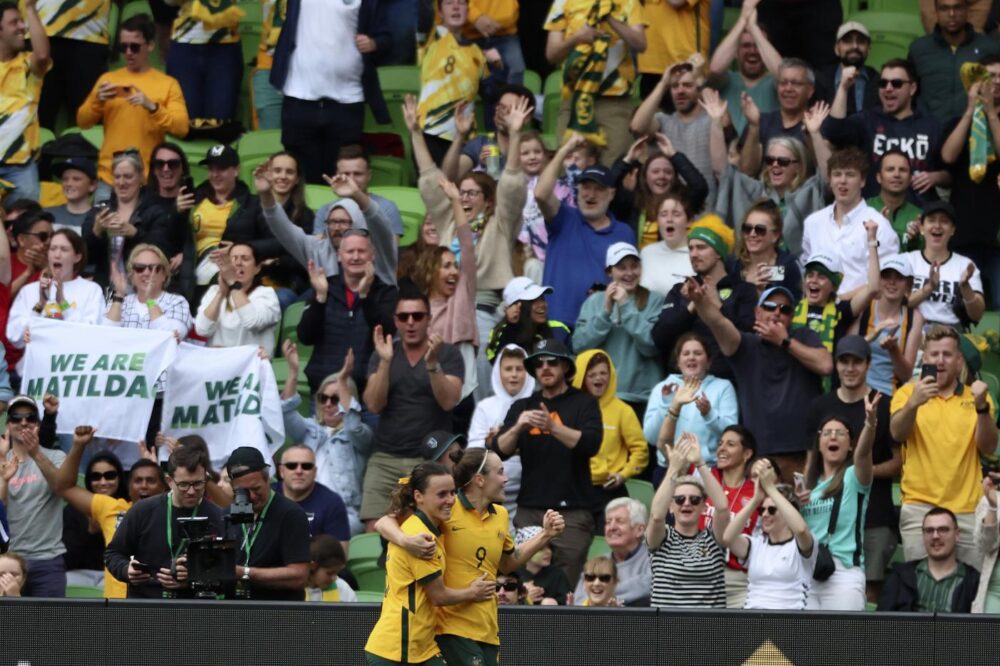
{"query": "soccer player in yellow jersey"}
pixel 404 633
pixel 476 542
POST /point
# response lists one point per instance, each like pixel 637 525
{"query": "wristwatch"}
pixel 436 368
pixel 786 343
pixel 236 285
pixel 115 298
pixel 985 409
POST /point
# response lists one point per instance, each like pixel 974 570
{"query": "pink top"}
pixel 454 319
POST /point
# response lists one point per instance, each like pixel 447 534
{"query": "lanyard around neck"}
pixel 250 538
pixel 170 524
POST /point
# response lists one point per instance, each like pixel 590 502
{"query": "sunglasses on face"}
pixel 410 316
pixel 509 586
pixel 771 160
pixel 306 466
pixel 171 164
pixel 771 306
pixel 22 418
pixel 693 500
pixel 324 399
pixel 590 578
pixel 42 236
pixel 754 230
pixel 769 510
pixel 142 268
pixel 130 47
pixel 110 475
pixel 895 83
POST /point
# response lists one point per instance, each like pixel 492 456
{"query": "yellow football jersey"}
pixel 449 76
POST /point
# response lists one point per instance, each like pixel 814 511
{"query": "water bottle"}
pixel 492 157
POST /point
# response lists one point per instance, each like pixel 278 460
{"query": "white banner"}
pixel 228 396
pixel 104 376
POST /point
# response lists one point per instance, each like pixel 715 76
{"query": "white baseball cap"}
pixel 898 263
pixel 523 289
pixel 619 251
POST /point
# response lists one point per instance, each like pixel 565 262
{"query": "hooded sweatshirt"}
pixel 490 413
pixel 623 449
pixel 626 334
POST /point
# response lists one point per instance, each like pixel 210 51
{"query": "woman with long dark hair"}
pixel 239 310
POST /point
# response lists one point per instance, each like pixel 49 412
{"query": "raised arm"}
pixel 813 121
pixel 447 389
pixel 733 537
pixel 750 154
pixel 41 51
pixel 420 152
pixel 553 525
pixel 986 423
pixel 863 296
pixel 794 520
pixel 768 54
pixel 726 51
pixel 863 467
pixel 709 309
pixel 452 162
pixel 377 390
pixel 656 528
pixel 716 108
pixel 545 196
pixel 644 120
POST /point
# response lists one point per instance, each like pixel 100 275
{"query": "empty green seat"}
pixel 599 546
pixel 411 209
pixel 640 490
pixel 260 142
pixel 364 548
pixel 891 33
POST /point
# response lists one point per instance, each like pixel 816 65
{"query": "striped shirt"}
pixel 20 91
pixel 83 20
pixel 688 572
pixel 214 22
pixel 933 595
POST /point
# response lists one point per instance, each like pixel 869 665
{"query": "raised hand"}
pixel 83 435
pixel 970 270
pixel 713 104
pixel 979 392
pixel 434 343
pixel 118 280
pixel 687 392
pixel 848 75
pixel 291 354
pixel 347 368
pixel 553 523
pixel 367 280
pixel 383 344
pixel 449 188
pixel 519 115
pixel 8 468
pixel 464 118
pixel 871 228
pixel 815 116
pixel 317 277
pixel 665 145
pixel 935 276
pixel 261 178
pixel 750 110
pixel 145 453
pixel 871 410
pixel 691 447
pixel 410 116
pixel 703 404
pixel 50 404
pixel 342 185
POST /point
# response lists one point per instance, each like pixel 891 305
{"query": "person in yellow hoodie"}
pixel 623 453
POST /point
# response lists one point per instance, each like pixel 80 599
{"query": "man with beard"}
pixel 688 127
pixel 144 480
pixel 939 56
pixel 758 64
pixel 796 83
pixel 476 542
pixel 847 404
pixel 894 177
pixel 853 43
pixel 578 237
pixel 710 241
pixel 556 431
pixel 147 551
pixel 894 125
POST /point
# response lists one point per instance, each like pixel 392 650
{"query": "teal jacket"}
pixel 626 336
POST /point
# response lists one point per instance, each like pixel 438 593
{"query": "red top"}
pixel 738 498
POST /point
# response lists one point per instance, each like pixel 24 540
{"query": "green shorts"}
pixel 460 651
pixel 373 660
pixel 381 477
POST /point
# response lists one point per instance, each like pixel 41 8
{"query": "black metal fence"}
pixel 36 632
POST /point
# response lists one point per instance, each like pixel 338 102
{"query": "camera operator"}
pixel 272 551
pixel 150 539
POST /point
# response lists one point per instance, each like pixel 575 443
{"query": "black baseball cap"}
pixel 853 345
pixel 941 207
pixel 439 441
pixel 244 460
pixel 551 347
pixel 79 163
pixel 599 174
pixel 221 155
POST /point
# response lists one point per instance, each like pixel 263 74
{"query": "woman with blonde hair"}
pixel 147 305
pixel 759 257
pixel 600 578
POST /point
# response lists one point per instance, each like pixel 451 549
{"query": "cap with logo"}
pixel 771 291
pixel 439 441
pixel 550 348
pixel 597 173
pixel 221 155
pixel 618 251
pixel 898 263
pixel 825 264
pixel 81 164
pixel 523 289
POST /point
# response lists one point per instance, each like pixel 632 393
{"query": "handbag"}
pixel 825 565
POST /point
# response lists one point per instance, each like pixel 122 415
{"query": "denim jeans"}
pixel 266 100
pixel 24 178
pixel 46 578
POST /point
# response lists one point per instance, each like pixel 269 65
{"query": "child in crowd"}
pixel 600 577
pixel 545 584
pixel 13 573
pixel 326 561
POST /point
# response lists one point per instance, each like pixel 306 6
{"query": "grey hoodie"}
pixel 305 247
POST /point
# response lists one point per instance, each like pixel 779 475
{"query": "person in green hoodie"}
pixel 619 320
pixel 623 453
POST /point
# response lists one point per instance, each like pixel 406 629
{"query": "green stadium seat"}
pixel 94 135
pixel 891 33
pixel 898 6
pixel 550 141
pixel 533 81
pixel 369 596
pixel 84 592
pixel 260 142
pixel 370 579
pixel 195 149
pixel 290 322
pixel 599 546
pixel 45 135
pixel 550 112
pixel 641 490
pixel 387 170
pixel 318 196
pixel 199 173
pixel 553 83
pixel 398 80
pixel 992 381
pixel 411 209
pixel 365 547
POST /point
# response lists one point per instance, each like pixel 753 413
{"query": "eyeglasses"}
pixel 693 500
pixel 470 194
pixel 771 306
pixel 895 83
pixel 142 268
pixel 590 578
pixel 931 531
pixel 833 432
pixel 170 164
pixel 22 418
pixel 130 47
pixel 185 486
pixel 755 230
pixel 323 399
pixel 110 475
pixel 791 82
pixel 769 510
pixel 127 151
pixel 410 316
pixel 549 362
pixel 42 236
pixel 509 586
pixel 306 466
pixel 339 220
pixel 771 160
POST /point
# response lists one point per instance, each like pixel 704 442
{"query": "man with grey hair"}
pixel 796 84
pixel 624 529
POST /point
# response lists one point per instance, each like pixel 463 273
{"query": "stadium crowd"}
pixel 679 351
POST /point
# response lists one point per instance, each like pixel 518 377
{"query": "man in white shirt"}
pixel 324 64
pixel 839 229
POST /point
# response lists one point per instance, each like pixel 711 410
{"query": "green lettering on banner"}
pixel 138 362
pixel 92 390
pixel 120 362
pixel 227 408
pixel 211 416
pixel 251 406
pixel 251 384
pixel 63 362
pixel 115 387
pixel 35 387
pixel 102 362
pixel 214 390
pixel 138 388
pixel 184 417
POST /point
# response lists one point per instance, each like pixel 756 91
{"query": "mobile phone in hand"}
pixel 144 568
pixel 928 370
pixel 189 185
